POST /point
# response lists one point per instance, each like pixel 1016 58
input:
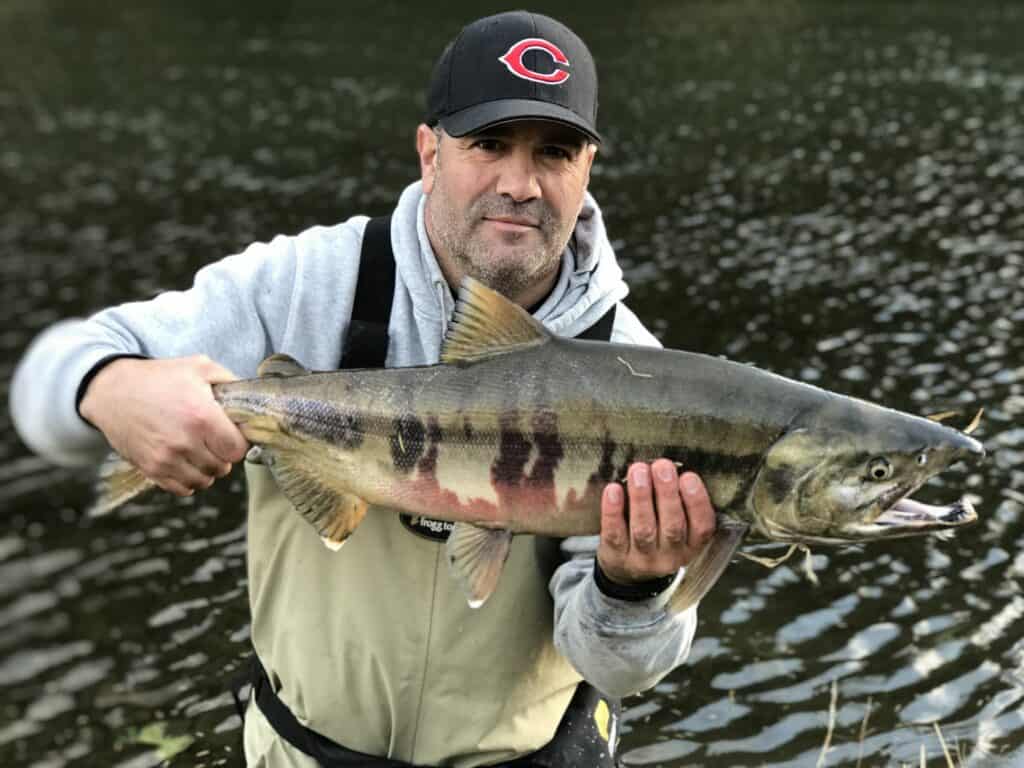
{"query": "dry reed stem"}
pixel 863 732
pixel 945 750
pixel 950 763
pixel 831 724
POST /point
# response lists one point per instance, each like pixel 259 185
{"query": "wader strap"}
pixel 602 329
pixel 367 343
pixel 586 736
pixel 326 752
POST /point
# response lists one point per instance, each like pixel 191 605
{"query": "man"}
pixel 371 656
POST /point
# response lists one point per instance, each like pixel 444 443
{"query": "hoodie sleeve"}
pixel 621 647
pixel 237 311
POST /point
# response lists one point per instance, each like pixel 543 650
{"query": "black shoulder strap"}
pixel 366 345
pixel 602 329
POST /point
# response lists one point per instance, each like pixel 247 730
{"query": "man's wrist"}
pixel 100 364
pixel 634 592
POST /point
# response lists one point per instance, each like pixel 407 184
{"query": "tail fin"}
pixel 119 482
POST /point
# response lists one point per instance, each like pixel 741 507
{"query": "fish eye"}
pixel 879 469
pixel 922 458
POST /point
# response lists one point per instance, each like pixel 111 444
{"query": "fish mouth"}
pixel 915 514
pixel 907 517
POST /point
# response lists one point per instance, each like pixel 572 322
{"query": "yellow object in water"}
pixel 601 716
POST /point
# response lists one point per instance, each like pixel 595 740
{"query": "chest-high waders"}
pixel 587 734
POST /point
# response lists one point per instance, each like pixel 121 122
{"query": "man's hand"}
pixel 161 416
pixel 669 523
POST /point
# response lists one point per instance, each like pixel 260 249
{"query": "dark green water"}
pixel 832 191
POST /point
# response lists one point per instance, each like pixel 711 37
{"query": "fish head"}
pixel 848 478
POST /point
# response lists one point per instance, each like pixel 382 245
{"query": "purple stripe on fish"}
pixel 549 449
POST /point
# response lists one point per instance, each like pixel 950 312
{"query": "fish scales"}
pixel 541 447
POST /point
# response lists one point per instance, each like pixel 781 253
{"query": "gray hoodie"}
pixel 294 295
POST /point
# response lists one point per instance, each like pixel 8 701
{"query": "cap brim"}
pixel 491 113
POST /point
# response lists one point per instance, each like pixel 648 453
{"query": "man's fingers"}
pixel 184 479
pixel 670 521
pixel 671 515
pixel 210 467
pixel 225 440
pixel 643 524
pixel 614 533
pixel 173 486
pixel 699 511
pixel 198 477
pixel 613 552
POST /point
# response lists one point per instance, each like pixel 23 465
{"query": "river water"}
pixel 829 191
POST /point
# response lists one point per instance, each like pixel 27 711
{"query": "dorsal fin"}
pixel 281 366
pixel 485 323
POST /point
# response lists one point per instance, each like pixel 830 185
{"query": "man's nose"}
pixel 518 177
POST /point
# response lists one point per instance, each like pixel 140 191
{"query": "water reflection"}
pixel 830 192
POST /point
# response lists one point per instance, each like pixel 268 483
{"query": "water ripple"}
pixel 830 191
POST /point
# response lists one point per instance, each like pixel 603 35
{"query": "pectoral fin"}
pixel 476 556
pixel 710 564
pixel 332 511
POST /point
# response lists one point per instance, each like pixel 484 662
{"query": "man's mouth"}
pixel 512 223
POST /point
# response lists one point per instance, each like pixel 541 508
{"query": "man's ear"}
pixel 426 148
pixel 589 152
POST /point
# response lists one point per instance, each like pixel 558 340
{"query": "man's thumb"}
pixel 214 373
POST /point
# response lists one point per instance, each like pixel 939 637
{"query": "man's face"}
pixel 502 203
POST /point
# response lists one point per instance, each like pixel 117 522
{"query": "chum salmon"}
pixel 518 431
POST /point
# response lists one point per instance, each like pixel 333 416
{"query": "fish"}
pixel 517 431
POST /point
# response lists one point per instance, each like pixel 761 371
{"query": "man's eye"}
pixel 560 153
pixel 487 145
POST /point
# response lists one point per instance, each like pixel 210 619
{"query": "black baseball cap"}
pixel 514 66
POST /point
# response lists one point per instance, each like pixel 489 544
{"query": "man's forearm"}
pixel 235 307
pixel 43 396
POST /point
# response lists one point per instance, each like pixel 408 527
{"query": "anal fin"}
pixel 476 556
pixel 709 566
pixel 333 512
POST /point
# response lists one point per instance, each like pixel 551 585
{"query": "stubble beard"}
pixel 460 239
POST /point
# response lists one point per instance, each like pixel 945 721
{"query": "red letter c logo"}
pixel 513 59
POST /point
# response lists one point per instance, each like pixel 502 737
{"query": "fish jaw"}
pixel 912 518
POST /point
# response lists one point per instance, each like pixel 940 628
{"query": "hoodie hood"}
pixel 589 281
